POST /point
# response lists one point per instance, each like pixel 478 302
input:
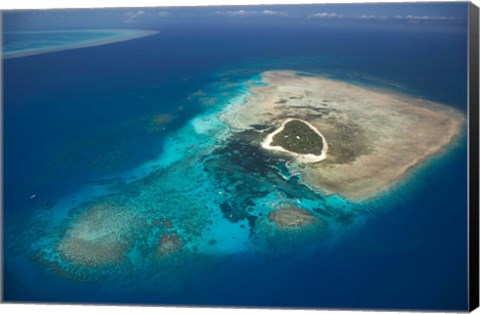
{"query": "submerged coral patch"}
pixel 158 122
pixel 168 244
pixel 100 236
pixel 289 227
pixel 291 217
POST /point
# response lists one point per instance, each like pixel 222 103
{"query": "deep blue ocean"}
pixel 79 118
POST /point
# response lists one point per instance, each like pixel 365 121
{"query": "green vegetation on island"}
pixel 298 137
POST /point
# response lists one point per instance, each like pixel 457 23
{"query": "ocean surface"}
pixel 135 123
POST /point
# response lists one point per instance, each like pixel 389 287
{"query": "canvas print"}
pixel 294 156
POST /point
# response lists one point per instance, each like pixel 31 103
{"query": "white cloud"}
pixel 275 13
pixel 251 13
pixel 231 13
pixel 380 17
pixel 368 17
pixel 326 15
pixel 424 17
pixel 163 13
pixel 131 16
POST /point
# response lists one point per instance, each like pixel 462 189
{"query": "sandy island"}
pixel 267 144
pixel 121 35
pixel 374 137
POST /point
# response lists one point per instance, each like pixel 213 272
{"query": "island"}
pixel 299 139
pixel 375 137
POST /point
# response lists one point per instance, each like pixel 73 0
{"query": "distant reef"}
pixel 37 45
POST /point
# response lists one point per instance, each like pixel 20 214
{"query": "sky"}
pixel 378 15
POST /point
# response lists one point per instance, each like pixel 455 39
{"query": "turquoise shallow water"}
pixel 209 190
pixel 130 151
